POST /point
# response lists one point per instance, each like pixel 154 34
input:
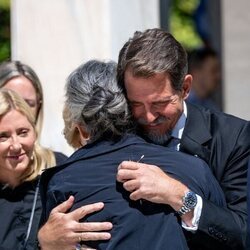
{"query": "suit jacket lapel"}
pixel 196 134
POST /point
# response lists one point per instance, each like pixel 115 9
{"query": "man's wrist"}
pixel 187 218
pixel 192 223
pixel 189 201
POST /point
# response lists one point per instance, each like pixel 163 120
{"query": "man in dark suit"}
pixel 248 206
pixel 90 173
pixel 152 69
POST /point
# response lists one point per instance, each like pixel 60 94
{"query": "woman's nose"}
pixel 15 145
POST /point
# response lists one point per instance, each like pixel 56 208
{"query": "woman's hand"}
pixel 64 231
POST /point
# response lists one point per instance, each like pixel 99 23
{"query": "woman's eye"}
pixel 23 133
pixel 3 137
pixel 31 103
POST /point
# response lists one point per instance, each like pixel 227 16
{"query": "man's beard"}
pixel 153 136
pixel 159 139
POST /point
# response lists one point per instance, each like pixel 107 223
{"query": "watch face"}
pixel 190 200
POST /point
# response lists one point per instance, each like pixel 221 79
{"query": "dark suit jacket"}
pixel 15 210
pixel 248 207
pixel 90 175
pixel 223 141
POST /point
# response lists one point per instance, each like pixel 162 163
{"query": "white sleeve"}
pixel 196 218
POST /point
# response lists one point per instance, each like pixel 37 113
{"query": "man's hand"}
pixel 150 183
pixel 63 230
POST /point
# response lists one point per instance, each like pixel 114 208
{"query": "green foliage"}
pixel 181 23
pixel 5 4
pixel 4 29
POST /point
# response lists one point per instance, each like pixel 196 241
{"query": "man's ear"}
pixel 187 84
pixel 84 135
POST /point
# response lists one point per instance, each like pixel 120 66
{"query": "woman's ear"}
pixel 84 135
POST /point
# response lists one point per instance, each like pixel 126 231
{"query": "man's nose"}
pixel 150 116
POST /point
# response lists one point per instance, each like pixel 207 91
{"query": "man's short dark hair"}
pixel 150 52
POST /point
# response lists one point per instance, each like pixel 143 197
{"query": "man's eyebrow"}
pixel 163 99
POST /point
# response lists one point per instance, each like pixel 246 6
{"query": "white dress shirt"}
pixel 177 133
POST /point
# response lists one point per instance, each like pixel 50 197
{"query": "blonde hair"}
pixel 42 157
pixel 12 69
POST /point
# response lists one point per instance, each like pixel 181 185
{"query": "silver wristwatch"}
pixel 189 202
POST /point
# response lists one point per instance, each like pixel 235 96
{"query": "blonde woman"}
pixel 22 160
pixel 21 78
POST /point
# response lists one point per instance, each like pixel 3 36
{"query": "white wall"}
pixel 55 36
pixel 236 57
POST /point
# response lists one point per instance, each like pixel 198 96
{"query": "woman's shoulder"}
pixel 60 157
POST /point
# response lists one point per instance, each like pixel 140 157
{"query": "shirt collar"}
pixel 179 127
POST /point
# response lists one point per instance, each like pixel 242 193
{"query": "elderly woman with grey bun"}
pixel 21 78
pixel 98 124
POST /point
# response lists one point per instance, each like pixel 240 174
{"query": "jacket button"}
pixel 21 219
pixel 211 230
pixel 219 235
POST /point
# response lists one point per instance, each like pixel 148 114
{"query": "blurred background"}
pixel 55 36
